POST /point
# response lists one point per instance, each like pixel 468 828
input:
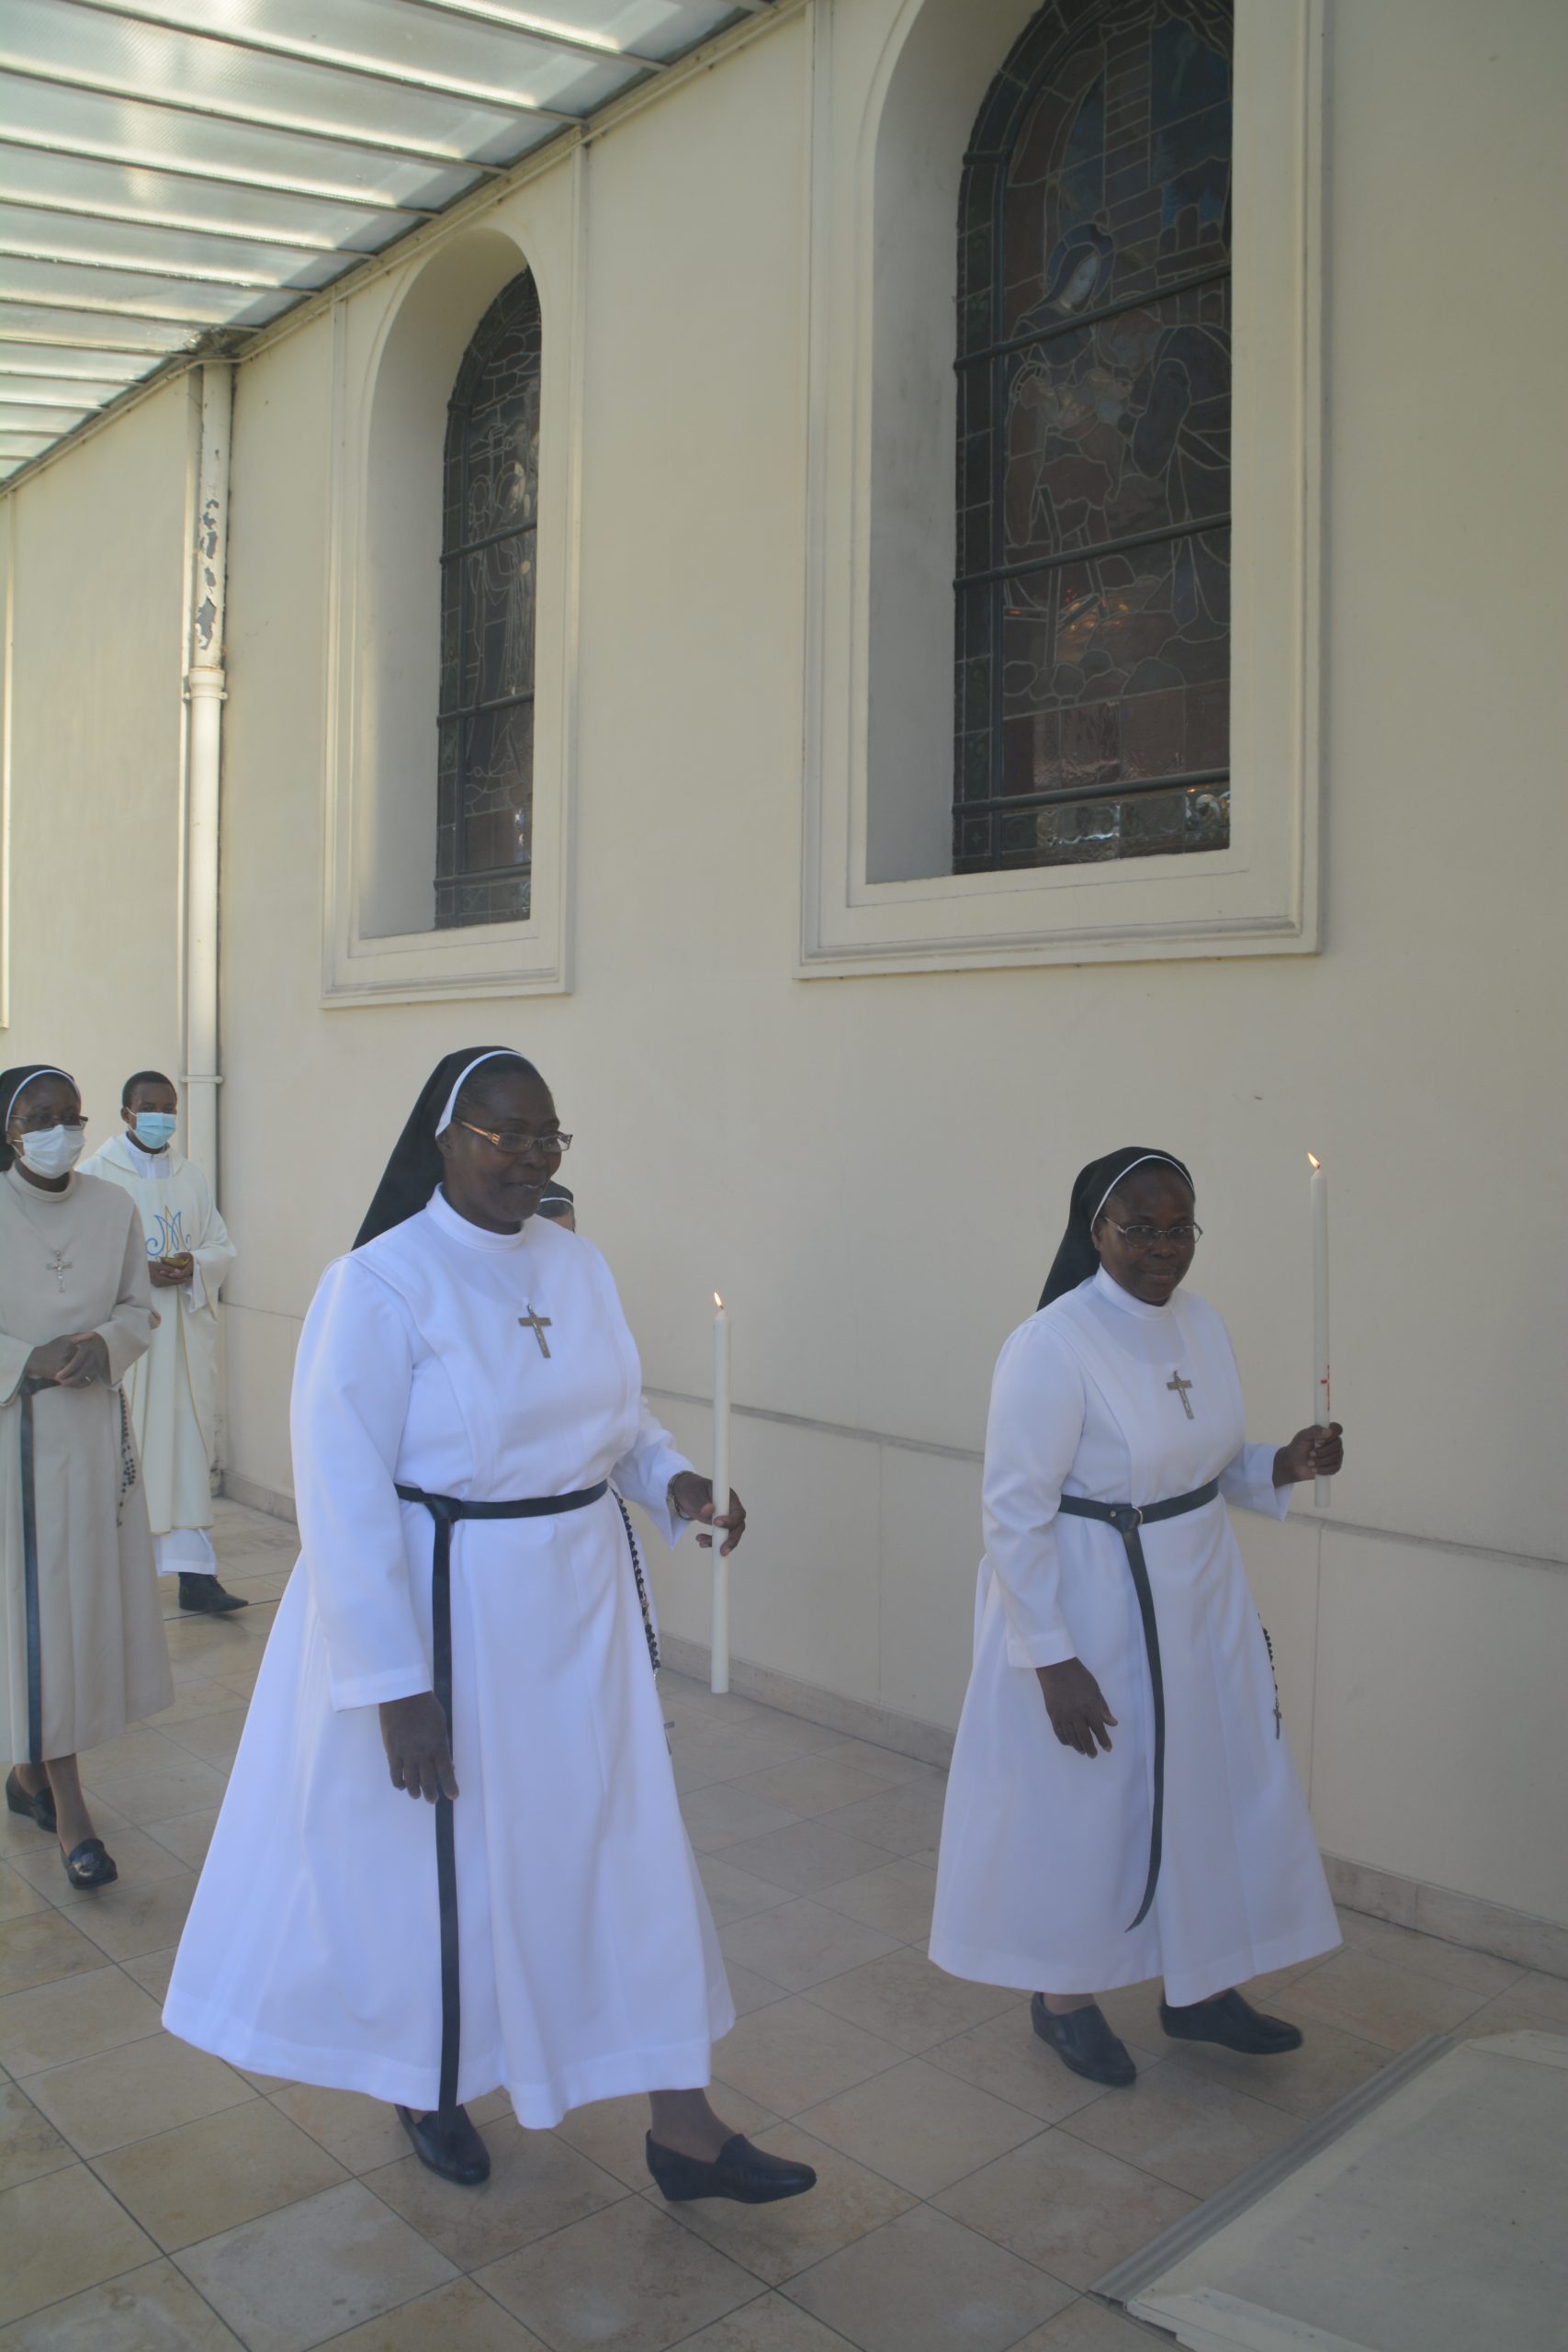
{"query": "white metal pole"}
pixel 205 692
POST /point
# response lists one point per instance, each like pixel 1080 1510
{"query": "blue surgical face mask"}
pixel 156 1129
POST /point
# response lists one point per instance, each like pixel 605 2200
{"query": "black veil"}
pixel 414 1169
pixel 1078 1258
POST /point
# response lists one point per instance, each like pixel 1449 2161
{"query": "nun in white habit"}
pixel 1123 1803
pixel 463 1627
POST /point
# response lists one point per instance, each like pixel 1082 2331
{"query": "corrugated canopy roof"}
pixel 173 167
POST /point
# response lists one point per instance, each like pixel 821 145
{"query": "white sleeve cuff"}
pixel 663 1514
pixel 1040 1649
pixel 1248 1481
pixel 376 1689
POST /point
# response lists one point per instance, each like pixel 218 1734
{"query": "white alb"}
pixel 1044 1852
pixel 590 1967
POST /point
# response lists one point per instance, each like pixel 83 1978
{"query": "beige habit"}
pixel 75 1261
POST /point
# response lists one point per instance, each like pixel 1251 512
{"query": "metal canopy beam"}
pixel 104 332
pixel 18 371
pixel 604 52
pixel 405 150
pixel 124 216
pixel 128 313
pixel 320 61
pixel 14 396
pixel 247 281
pixel 283 178
pixel 289 191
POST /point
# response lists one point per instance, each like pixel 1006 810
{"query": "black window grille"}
pixel 1092 706
pixel 488 575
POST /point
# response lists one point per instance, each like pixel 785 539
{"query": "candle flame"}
pixel 1314 1159
pixel 716 1300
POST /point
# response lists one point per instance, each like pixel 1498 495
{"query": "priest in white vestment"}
pixel 172 1390
pixel 1122 1801
pixel 545 1929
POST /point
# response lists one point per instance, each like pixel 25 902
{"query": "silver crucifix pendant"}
pixel 1180 1387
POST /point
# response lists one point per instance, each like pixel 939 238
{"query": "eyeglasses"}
pixel 517 1146
pixel 1139 1238
pixel 38 1123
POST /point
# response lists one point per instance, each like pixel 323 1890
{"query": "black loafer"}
pixel 1234 2023
pixel 448 2144
pixel 206 1597
pixel 90 1864
pixel 739 2170
pixel 1082 2039
pixel 39 1808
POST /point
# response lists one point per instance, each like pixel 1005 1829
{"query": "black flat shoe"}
pixel 206 1597
pixel 448 2144
pixel 1234 2023
pixel 1082 2039
pixel 90 1864
pixel 39 1808
pixel 739 2171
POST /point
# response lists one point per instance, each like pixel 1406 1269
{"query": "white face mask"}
pixel 51 1152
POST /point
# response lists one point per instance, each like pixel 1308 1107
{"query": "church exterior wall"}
pixel 94 732
pixel 875 1170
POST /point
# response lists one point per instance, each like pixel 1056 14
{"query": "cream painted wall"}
pixel 97 724
pixel 875 1170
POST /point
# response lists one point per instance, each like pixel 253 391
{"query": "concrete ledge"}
pixel 857 1718
pixel 1465 1919
pixel 235 1489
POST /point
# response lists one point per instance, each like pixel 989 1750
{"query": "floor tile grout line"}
pixel 90 2166
pixel 785 1896
pixel 837 2334
pixel 464 2278
pixel 117 2278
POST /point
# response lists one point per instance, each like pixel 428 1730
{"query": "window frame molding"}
pixel 543 224
pixel 1260 896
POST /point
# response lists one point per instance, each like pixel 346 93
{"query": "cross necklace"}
pixel 59 1265
pixel 539 1325
pixel 1179 1388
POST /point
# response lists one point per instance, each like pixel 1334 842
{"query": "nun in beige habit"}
pixel 82 1647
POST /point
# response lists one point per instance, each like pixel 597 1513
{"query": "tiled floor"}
pixel 153 2200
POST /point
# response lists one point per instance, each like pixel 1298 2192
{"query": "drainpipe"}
pixel 205 695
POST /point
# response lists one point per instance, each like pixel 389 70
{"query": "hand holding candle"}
pixel 1321 1412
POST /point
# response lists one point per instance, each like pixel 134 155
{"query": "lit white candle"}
pixel 1322 1411
pixel 719 1678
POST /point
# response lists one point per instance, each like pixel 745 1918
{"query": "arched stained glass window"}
pixel 485 778
pixel 1093 594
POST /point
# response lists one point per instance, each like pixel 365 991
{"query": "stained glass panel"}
pixel 485 772
pixel 1093 462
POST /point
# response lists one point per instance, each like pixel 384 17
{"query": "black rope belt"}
pixel 27 1391
pixel 446 1509
pixel 1126 1519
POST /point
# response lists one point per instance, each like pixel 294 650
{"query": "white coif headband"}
pixel 496 1054
pixel 48 1070
pixel 1166 1162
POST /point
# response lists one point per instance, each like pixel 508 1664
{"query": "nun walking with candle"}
pixel 463 1630
pixel 1122 1801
